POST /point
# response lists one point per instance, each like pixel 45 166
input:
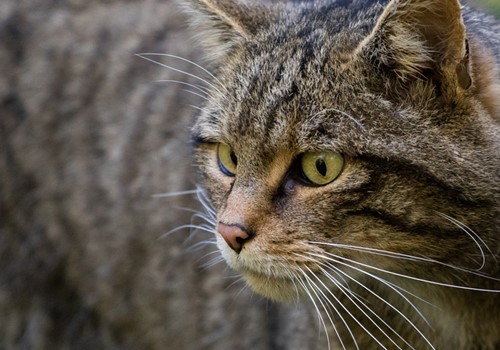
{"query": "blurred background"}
pixel 491 6
pixel 87 138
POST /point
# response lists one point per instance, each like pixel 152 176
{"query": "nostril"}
pixel 235 235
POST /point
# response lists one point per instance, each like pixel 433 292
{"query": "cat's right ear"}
pixel 221 25
pixel 422 40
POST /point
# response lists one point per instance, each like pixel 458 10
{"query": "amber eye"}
pixel 321 168
pixel 227 160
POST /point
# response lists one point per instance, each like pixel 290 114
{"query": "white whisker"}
pixel 204 90
pixel 198 215
pixel 211 263
pixel 196 94
pixel 402 256
pixel 201 245
pixel 390 284
pixel 322 295
pixel 318 312
pixel 187 61
pixel 336 311
pixel 352 316
pixel 201 109
pixel 179 71
pixel 375 294
pixel 341 112
pixel 329 266
pixel 174 194
pixel 473 235
pixel 415 278
pixel 292 278
pixel 190 226
pixel 242 289
pixel 374 277
pixel 348 292
pixel 205 202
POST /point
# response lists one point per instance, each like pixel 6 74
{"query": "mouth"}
pixel 275 277
pixel 266 277
pixel 274 280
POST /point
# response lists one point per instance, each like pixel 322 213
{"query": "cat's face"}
pixel 320 160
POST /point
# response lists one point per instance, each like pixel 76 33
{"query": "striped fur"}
pixel 408 92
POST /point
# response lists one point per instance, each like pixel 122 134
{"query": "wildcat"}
pixel 349 150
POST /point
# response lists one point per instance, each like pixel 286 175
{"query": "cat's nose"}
pixel 234 235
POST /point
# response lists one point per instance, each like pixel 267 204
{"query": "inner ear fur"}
pixel 422 39
pixel 220 25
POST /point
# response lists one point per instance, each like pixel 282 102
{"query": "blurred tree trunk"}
pixel 86 139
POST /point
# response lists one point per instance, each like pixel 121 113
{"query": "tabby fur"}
pixel 408 92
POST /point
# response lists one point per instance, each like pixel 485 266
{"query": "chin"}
pixel 264 275
pixel 275 288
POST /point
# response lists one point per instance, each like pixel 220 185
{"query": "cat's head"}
pixel 336 134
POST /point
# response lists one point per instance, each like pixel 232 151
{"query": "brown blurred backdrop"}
pixel 86 139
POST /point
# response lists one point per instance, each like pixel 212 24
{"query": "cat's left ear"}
pixel 421 39
pixel 221 25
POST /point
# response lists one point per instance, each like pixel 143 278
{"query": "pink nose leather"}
pixel 234 235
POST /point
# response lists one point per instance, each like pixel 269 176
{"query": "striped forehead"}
pixel 275 90
pixel 266 102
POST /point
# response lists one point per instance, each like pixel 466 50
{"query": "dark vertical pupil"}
pixel 321 166
pixel 233 158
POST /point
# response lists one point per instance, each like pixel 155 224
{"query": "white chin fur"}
pixel 269 282
pixel 276 288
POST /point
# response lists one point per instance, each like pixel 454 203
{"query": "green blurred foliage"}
pixel 491 6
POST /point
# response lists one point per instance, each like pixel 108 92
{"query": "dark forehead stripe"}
pixel 267 90
pixel 246 117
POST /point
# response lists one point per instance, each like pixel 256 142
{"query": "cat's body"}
pixel 402 102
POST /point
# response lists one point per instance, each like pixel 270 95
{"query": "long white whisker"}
pixel 347 291
pixel 324 297
pixel 199 215
pixel 174 194
pixel 473 235
pixel 208 220
pixel 202 198
pixel 212 262
pixel 341 112
pixel 201 109
pixel 203 244
pixel 316 307
pixel 194 86
pixel 242 289
pixel 292 278
pixel 188 61
pixel 179 71
pixel 375 294
pixel 336 269
pixel 182 227
pixel 390 284
pixel 354 317
pixel 414 278
pixel 335 309
pixel 374 277
pixel 213 252
pixel 424 280
pixel 197 94
pixel 402 256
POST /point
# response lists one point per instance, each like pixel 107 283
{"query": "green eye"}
pixel 321 168
pixel 227 160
